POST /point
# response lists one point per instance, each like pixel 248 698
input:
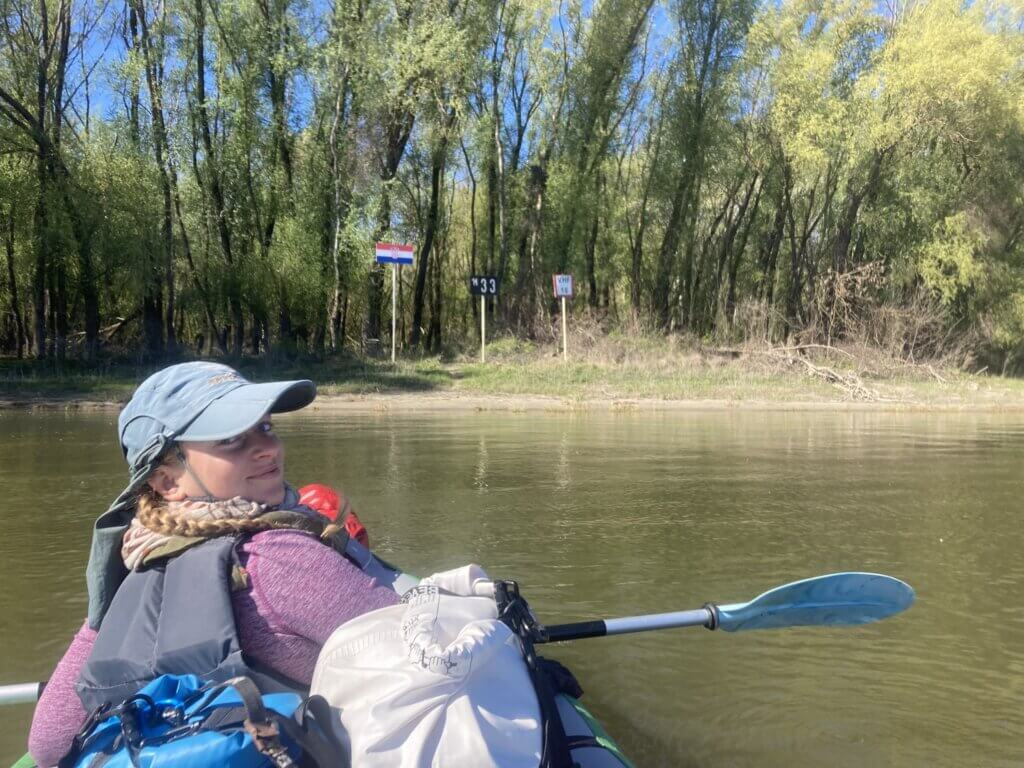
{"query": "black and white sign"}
pixel 483 285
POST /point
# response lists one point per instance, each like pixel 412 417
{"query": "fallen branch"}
pixel 849 383
pixel 936 375
pixel 107 333
pixel 732 352
pixel 828 347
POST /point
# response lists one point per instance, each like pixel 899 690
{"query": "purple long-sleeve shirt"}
pixel 299 592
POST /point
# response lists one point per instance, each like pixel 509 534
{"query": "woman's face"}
pixel 250 465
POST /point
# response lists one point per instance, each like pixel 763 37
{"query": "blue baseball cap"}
pixel 201 401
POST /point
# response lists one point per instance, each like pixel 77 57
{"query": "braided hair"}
pixel 153 512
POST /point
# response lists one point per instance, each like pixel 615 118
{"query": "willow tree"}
pixel 947 86
pixel 711 35
pixel 413 54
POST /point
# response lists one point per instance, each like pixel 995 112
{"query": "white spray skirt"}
pixel 437 681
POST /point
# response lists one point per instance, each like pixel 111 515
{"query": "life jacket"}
pixel 335 507
pixel 175 617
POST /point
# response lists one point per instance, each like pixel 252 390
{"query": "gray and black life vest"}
pixel 175 617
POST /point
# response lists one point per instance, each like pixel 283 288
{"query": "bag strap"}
pixel 260 726
pixel 514 611
pixel 310 728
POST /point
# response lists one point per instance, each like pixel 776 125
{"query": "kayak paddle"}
pixel 837 599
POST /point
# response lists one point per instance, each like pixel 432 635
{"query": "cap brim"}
pixel 242 408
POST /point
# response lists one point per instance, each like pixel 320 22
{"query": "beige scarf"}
pixel 141 544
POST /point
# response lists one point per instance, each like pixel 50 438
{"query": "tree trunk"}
pixel 131 42
pixel 492 216
pixel 725 252
pixel 472 225
pixel 287 343
pixel 590 248
pixel 854 199
pixel 344 320
pixel 590 257
pixel 770 251
pixel 51 315
pixel 526 285
pixel 213 182
pixel 375 284
pixel 41 237
pixel 87 283
pixel 434 340
pixel 60 313
pixel 19 327
pixel 436 177
pixel 161 152
pixel 667 254
pixel 255 334
pixel 399 127
pixel 734 264
pixel 341 196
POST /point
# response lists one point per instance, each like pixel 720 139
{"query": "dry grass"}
pixel 617 365
pixel 641 364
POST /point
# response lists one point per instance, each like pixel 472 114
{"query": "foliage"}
pixel 686 161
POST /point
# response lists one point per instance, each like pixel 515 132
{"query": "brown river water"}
pixel 610 514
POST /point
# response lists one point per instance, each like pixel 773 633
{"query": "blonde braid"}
pixel 157 516
pixel 329 530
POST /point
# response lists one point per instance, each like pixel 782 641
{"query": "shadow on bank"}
pixel 44 382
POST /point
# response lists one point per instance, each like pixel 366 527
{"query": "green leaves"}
pixel 680 158
pixel 949 262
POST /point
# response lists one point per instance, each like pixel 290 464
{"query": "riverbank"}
pixel 627 374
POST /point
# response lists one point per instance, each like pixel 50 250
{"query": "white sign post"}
pixel 563 290
pixel 483 286
pixel 396 255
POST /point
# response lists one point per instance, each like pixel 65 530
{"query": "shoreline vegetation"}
pixel 614 372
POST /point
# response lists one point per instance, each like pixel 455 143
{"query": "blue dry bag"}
pixel 178 722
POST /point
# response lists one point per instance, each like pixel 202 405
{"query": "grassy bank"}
pixel 613 368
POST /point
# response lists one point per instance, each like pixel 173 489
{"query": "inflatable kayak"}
pixel 590 744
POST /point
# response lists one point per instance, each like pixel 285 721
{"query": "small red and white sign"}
pixel 394 253
pixel 562 285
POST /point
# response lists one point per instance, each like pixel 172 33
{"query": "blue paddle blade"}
pixel 835 599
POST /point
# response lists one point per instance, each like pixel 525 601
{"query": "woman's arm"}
pixel 59 714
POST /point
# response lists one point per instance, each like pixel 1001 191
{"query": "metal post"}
pixel 565 336
pixel 394 305
pixel 483 328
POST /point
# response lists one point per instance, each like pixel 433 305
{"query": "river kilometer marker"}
pixel 563 290
pixel 483 286
pixel 396 255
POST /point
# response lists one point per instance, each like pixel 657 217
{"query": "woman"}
pixel 206 563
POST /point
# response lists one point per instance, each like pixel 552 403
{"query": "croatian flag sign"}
pixel 393 253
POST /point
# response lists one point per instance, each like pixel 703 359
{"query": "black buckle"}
pixel 515 612
pixel 265 737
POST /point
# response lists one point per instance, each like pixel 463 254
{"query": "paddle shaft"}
pixel 837 599
pixel 22 693
pixel 701 617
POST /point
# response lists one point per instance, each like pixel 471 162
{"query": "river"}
pixel 601 514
